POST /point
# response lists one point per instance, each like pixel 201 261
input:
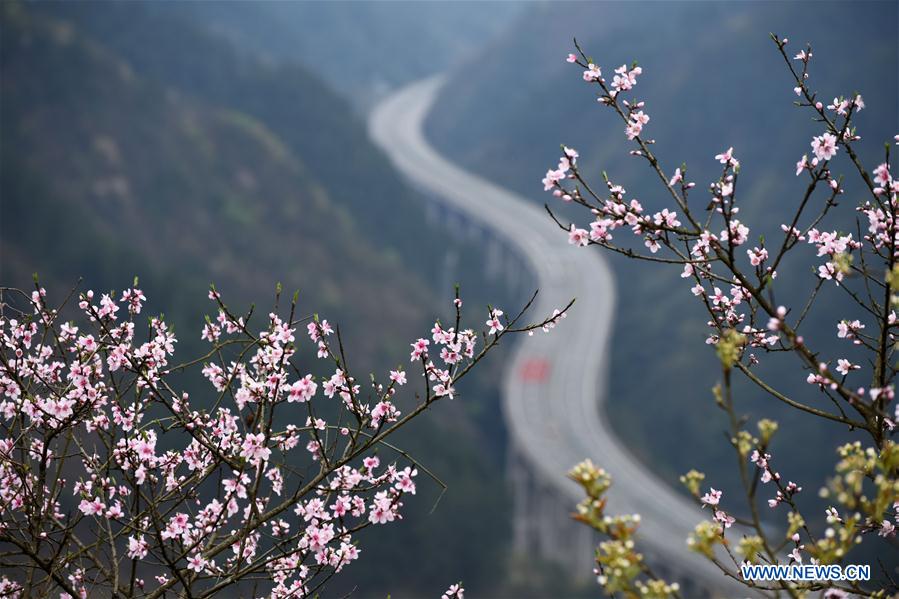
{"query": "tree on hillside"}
pixel 115 482
pixel 734 279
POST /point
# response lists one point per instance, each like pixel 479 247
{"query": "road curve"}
pixel 557 421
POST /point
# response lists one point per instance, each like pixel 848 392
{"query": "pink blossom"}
pixel 640 117
pixel 633 130
pixel 552 179
pixel 593 72
pixel 824 146
pixel 419 349
pixel 840 106
pixel 757 255
pixel 848 330
pixel 494 323
pixel 381 510
pixel 737 234
pixel 727 158
pixel 844 366
pixel 578 237
pixel 666 218
pixel 135 299
pixel 196 562
pixel 625 79
pixel 882 175
pixel 599 230
pixel 833 515
pixel 137 547
pixel 303 390
pixel 724 519
pixel 712 497
pixel 398 377
pixel 93 507
pixel 254 449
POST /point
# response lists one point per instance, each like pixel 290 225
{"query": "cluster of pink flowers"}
pixel 636 119
pixel 612 213
pixel 824 146
pixel 625 79
pixel 763 462
pixel 553 176
pixel 745 322
pixel 713 499
pixel 97 446
pixel 733 310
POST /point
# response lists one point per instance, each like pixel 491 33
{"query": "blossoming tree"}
pixel 732 279
pixel 113 482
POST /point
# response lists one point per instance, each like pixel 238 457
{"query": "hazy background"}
pixel 198 142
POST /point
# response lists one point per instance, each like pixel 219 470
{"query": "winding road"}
pixel 555 419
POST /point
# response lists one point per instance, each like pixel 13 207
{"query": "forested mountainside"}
pixel 136 143
pixel 110 172
pixel 505 113
pixel 297 106
pixel 361 49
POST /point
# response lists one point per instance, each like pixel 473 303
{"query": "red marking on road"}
pixel 535 370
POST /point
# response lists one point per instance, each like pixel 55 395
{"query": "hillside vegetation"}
pixel 136 143
pixel 362 49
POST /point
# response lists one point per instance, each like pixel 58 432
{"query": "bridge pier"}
pixel 542 527
pixel 543 530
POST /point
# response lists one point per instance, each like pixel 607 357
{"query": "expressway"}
pixel 558 420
